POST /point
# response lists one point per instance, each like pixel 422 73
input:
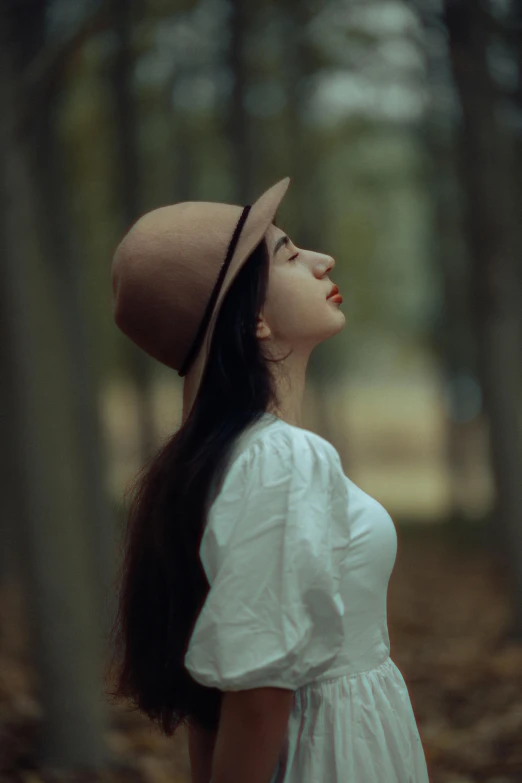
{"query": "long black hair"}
pixel 161 584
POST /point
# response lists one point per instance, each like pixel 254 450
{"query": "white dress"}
pixel 298 559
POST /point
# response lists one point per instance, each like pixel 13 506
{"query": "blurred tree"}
pixel 183 151
pixel 454 338
pixel 67 264
pixel 45 71
pixel 496 245
pixel 453 330
pixel 238 131
pixel 53 545
pixel 127 157
pixel 517 44
pixel 514 25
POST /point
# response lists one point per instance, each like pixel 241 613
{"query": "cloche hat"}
pixel 172 270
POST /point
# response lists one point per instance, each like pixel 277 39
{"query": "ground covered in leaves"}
pixel 449 618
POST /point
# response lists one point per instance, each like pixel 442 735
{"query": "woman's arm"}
pixel 251 733
pixel 201 749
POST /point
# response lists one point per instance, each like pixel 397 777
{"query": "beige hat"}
pixel 172 270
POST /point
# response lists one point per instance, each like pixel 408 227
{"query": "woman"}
pixel 253 590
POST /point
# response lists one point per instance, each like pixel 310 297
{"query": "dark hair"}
pixel 162 583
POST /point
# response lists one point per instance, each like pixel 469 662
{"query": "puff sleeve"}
pixel 274 614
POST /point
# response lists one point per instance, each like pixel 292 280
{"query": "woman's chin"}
pixel 336 325
pixel 340 318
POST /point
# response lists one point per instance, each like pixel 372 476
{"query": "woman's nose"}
pixel 325 263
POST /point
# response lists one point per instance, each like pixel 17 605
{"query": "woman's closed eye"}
pixel 294 256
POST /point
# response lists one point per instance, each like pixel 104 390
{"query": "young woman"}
pixel 252 606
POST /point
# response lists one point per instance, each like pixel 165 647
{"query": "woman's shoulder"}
pixel 270 462
pixel 277 438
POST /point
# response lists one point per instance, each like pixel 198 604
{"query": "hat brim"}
pixel 259 219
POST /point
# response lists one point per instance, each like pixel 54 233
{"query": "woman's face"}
pixel 297 313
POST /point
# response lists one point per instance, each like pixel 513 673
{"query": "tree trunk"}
pixel 238 120
pixel 53 549
pixel 67 265
pixel 454 336
pixel 127 157
pixel 495 241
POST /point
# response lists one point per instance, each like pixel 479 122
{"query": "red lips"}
pixel 334 291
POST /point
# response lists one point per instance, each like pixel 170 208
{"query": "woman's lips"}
pixel 335 298
pixel 335 293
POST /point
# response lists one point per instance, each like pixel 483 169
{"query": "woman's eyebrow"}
pixel 280 242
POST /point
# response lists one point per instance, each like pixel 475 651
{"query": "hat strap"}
pixel 196 345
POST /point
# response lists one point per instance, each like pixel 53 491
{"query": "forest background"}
pixel 400 126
